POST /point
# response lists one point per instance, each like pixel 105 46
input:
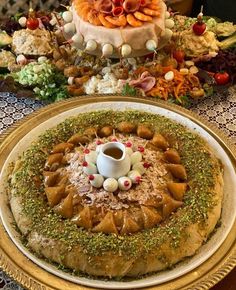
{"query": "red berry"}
pixel 85 164
pixel 91 177
pixel 32 23
pixel 86 151
pixel 146 165
pixel 199 28
pixel 98 142
pixel 141 149
pixel 221 78
pixel 128 144
pixel 179 55
pixel 126 183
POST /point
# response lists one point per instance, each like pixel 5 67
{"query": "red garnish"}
pixel 126 183
pixel 86 151
pixel 114 140
pixel 143 2
pixel 199 27
pixel 91 177
pixel 117 11
pixel 128 144
pixel 137 179
pixel 221 78
pixel 146 165
pixel 141 149
pixel 98 142
pixel 179 55
pixel 85 164
pixel 32 23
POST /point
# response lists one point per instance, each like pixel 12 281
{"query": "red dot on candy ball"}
pixel 128 144
pixel 126 183
pixel 138 179
pixel 86 151
pixel 98 142
pixel 85 164
pixel 91 177
pixel 140 148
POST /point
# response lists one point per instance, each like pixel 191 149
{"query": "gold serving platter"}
pixel 32 276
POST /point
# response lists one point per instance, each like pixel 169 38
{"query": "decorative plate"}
pixel 208 266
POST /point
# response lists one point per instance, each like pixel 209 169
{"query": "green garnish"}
pixel 128 90
pixel 47 82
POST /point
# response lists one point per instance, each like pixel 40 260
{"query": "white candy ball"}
pixel 22 21
pixel 107 49
pixel 90 169
pixel 77 39
pixel 139 167
pixel 69 28
pixel 167 34
pixel 136 157
pixel 110 184
pixel 169 23
pixel 135 176
pixel 97 181
pixel 21 59
pixel 126 50
pixel 169 76
pixel 42 59
pixel 124 183
pixel 151 44
pixel 67 16
pixel 91 157
pixel 167 14
pixel 129 150
pixel 91 45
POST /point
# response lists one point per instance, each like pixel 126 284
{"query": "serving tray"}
pixel 212 262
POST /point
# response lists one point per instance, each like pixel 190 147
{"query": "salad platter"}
pixel 216 257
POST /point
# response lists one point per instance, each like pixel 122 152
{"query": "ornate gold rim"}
pixel 31 276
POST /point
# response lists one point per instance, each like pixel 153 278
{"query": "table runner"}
pixel 219 109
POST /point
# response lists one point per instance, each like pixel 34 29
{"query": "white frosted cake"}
pixel 118 29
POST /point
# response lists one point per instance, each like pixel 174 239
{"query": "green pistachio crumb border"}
pixel 201 168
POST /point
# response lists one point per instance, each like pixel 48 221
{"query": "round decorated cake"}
pixel 117 28
pixel 116 194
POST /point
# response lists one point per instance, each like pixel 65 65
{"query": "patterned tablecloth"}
pixel 219 109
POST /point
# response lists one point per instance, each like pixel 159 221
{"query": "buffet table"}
pixel 219 110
